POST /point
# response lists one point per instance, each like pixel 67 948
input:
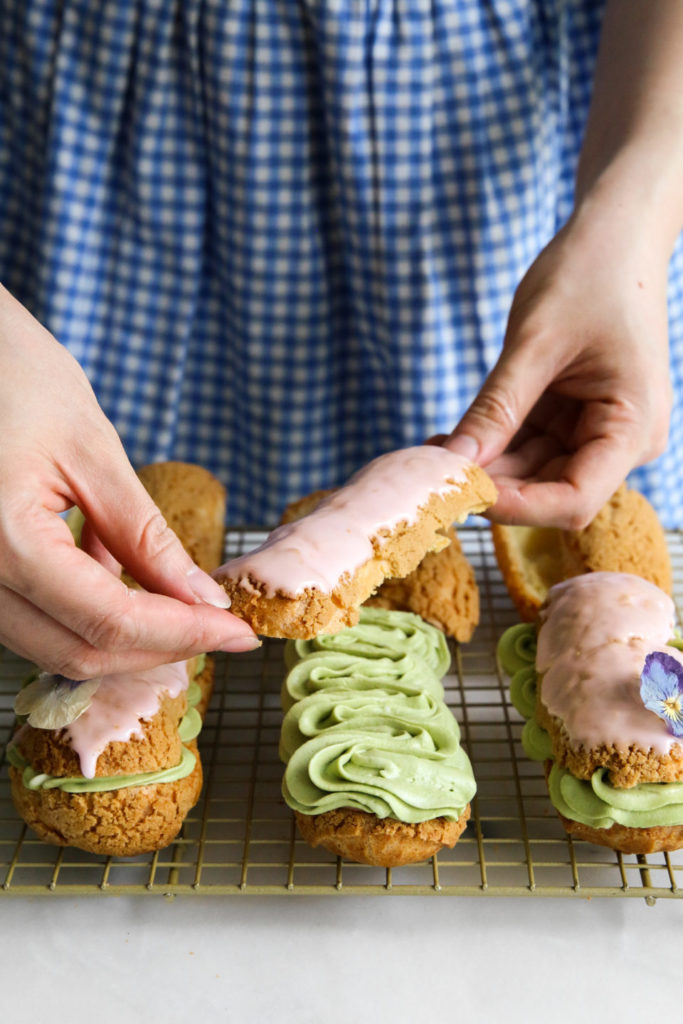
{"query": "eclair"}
pixel 625 536
pixel 375 772
pixel 120 778
pixel 600 682
pixel 312 575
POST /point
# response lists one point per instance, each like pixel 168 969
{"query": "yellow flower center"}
pixel 672 707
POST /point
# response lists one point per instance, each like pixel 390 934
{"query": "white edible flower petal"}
pixel 53 702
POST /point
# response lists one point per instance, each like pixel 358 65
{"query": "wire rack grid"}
pixel 241 839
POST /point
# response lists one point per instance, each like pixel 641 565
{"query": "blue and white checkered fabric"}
pixel 282 236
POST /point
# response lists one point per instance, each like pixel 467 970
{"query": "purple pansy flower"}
pixel 661 689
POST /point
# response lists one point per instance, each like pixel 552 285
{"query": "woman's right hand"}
pixel 62 607
pixel 581 392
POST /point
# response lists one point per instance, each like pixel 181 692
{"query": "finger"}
pixel 528 460
pixel 78 592
pixel 133 530
pixel 33 635
pixel 511 390
pixel 643 427
pixel 556 416
pixel 583 482
pixel 93 546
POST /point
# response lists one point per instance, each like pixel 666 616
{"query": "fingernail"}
pixel 463 444
pixel 207 590
pixel 238 644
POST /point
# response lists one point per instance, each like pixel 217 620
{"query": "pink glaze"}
pixel 596 631
pixel 119 705
pixel 335 539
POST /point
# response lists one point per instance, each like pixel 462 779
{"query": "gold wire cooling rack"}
pixel 241 838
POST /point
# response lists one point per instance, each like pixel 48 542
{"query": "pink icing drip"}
pixel 335 539
pixel 596 631
pixel 119 705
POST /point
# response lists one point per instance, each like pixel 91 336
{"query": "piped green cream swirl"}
pixel 338 671
pixel 368 713
pixel 594 802
pixel 517 647
pixel 390 771
pixel 599 804
pixel 367 727
pixel 380 634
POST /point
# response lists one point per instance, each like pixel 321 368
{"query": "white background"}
pixel 347 959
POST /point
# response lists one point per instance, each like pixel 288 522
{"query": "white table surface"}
pixel 327 959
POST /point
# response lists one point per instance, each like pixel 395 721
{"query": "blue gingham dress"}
pixel 282 236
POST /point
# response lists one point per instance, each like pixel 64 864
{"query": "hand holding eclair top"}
pixel 61 606
pixel 111 765
pixel 312 575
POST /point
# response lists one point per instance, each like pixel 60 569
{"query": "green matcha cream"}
pixel 380 633
pixel 367 727
pixel 333 670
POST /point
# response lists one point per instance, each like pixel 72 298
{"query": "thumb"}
pixel 508 395
pixel 123 520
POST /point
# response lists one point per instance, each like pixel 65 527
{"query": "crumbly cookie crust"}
pixel 122 823
pixel 159 746
pixel 442 589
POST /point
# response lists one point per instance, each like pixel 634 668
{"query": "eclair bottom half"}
pixel 375 772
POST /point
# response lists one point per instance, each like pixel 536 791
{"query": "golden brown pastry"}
pixel 442 590
pixel 375 771
pixel 625 536
pixel 119 822
pixel 382 842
